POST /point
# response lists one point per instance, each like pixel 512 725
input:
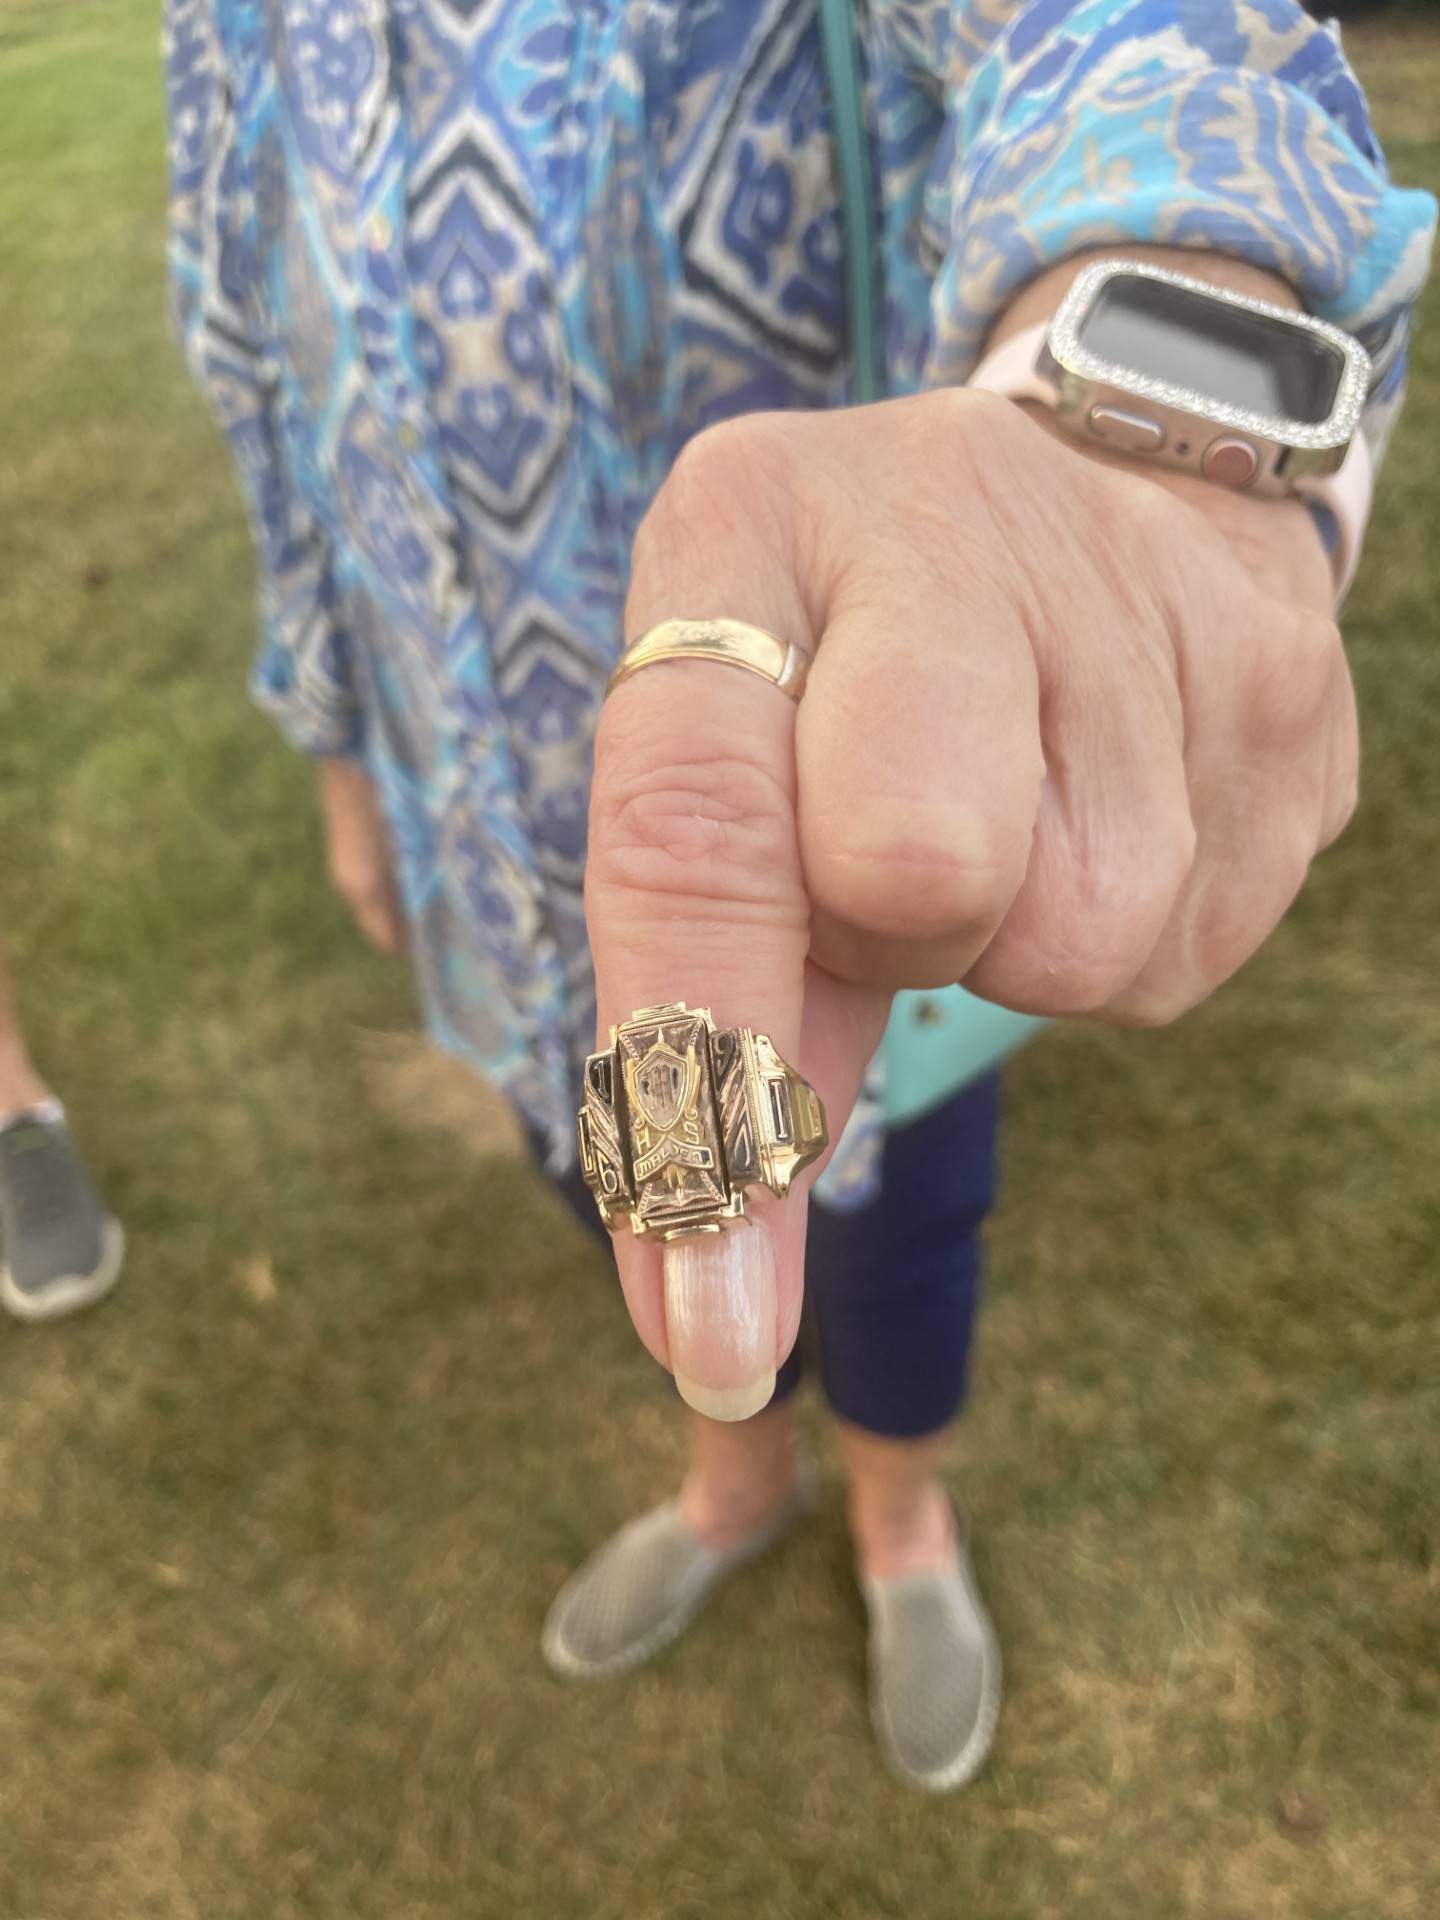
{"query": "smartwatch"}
pixel 1159 367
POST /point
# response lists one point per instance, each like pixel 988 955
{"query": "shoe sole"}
pixel 70 1292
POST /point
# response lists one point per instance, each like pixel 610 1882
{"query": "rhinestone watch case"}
pixel 1287 451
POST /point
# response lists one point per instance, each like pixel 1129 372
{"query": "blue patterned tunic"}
pixel 460 277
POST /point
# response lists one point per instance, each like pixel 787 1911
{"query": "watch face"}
pixel 1232 355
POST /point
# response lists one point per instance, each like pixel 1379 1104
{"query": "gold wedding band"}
pixel 730 642
pixel 680 1117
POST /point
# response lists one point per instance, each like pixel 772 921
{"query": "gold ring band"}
pixel 732 643
pixel 680 1117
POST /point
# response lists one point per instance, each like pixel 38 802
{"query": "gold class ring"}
pixel 680 1117
pixel 730 642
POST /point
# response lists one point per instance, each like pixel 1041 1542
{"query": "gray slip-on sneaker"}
pixel 646 1584
pixel 934 1674
pixel 59 1249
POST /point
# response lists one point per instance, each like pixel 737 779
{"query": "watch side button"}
pixel 1230 462
pixel 1126 432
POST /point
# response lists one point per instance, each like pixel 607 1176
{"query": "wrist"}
pixel 1276 535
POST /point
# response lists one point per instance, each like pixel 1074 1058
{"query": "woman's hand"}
pixel 358 854
pixel 1072 736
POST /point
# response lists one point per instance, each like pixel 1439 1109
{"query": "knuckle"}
pixel 955 423
pixel 757 446
pixel 945 448
pixel 1225 922
pixel 1103 918
pixel 714 830
pixel 927 873
pixel 1131 520
pixel 730 476
pixel 695 474
pixel 1297 672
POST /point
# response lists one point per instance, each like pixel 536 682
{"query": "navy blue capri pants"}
pixel 891 1289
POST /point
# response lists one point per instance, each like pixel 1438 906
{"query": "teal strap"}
pixel 847 106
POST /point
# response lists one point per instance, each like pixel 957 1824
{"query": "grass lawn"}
pixel 279 1524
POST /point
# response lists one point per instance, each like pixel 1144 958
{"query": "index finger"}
pixel 695 894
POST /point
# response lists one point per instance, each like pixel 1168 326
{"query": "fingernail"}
pixel 720 1316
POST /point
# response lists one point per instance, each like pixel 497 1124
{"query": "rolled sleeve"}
pixel 1233 128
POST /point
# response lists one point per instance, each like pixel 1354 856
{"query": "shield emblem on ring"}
pixel 663 1085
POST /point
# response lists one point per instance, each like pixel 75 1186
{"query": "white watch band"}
pixel 1345 495
pixel 1010 369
